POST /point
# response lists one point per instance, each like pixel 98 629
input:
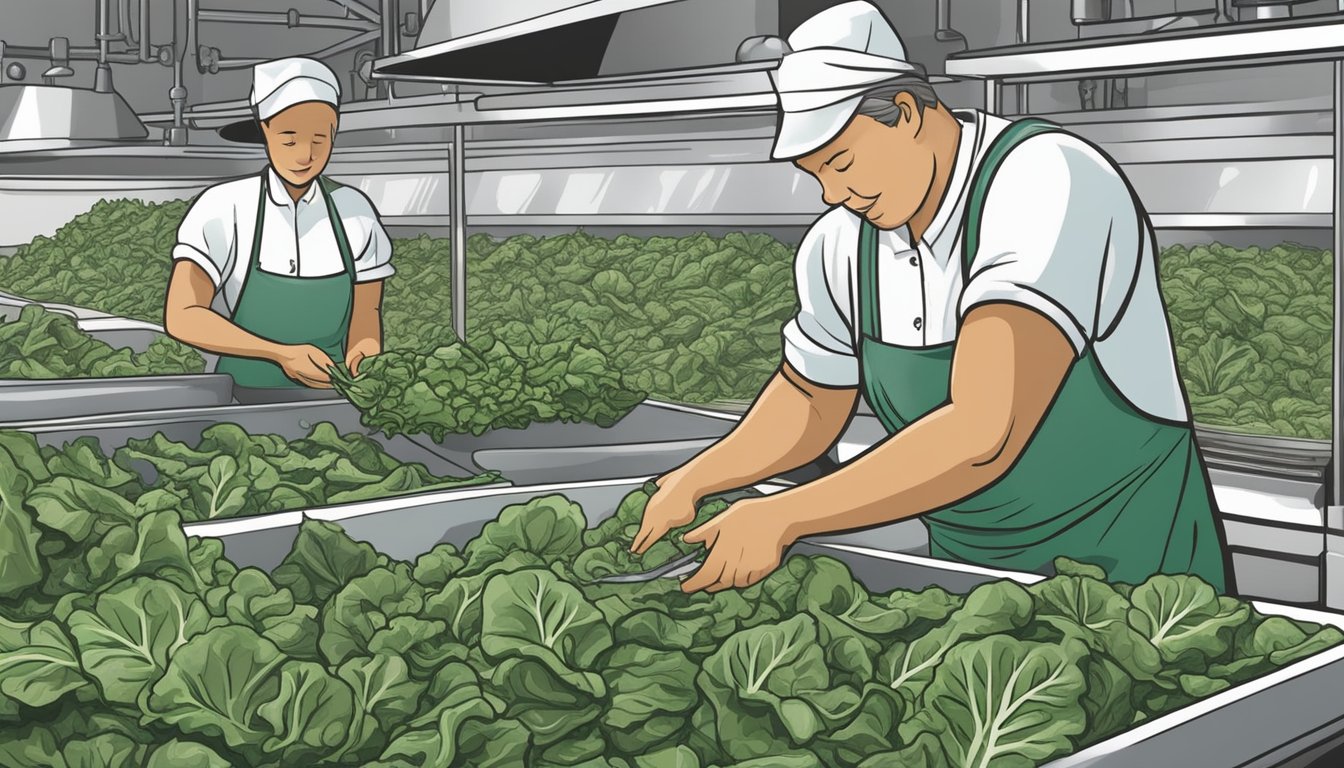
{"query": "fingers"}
pixel 706 534
pixel 708 575
pixel 649 533
pixel 353 362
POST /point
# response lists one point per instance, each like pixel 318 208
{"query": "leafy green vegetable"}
pixel 42 344
pixel 124 643
pixel 690 319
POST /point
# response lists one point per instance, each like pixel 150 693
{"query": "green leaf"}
pixel 125 642
pixel 215 685
pixel 363 607
pixel 322 561
pixel 177 753
pixel 998 702
pixel 37 664
pixel 1184 617
pixel 550 527
pixel 652 693
pixel 310 716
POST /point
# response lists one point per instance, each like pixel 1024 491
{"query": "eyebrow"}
pixel 833 157
pixel 289 133
pixel 320 135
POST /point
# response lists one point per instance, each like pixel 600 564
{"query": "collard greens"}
pixel 40 344
pixel 691 319
pixel 124 643
pixel 230 473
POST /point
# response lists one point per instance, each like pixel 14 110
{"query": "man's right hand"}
pixel 305 364
pixel 669 508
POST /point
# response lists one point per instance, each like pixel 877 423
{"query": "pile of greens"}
pixel 456 389
pixel 124 643
pixel 230 473
pixel 697 319
pixel 49 345
pixel 1253 332
pixel 114 258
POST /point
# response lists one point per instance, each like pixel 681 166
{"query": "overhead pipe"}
pixel 389 44
pixel 358 9
pixel 133 40
pixel 341 47
pixel 102 76
pixel 182 42
pixel 77 53
pixel 291 19
pixel 944 33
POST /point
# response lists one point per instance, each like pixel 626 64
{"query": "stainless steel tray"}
pixel 1265 722
pixel 23 400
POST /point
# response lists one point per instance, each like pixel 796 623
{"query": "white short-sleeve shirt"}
pixel 297 239
pixel 1060 233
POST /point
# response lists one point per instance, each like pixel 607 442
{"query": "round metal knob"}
pixel 16 71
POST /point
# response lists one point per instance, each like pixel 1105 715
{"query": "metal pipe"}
pixel 77 53
pixel 458 202
pixel 332 50
pixel 358 9
pixel 1023 36
pixel 182 39
pixel 1337 396
pixel 290 19
pixel 944 33
pixel 145 53
pixel 991 95
pixel 390 42
pixel 104 13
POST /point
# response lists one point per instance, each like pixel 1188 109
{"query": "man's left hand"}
pixel 359 352
pixel 746 542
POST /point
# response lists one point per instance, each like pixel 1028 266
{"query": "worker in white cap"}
pixel 293 262
pixel 990 289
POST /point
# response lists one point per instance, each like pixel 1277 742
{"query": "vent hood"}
pixel 550 41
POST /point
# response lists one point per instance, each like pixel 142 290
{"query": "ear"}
pixel 909 106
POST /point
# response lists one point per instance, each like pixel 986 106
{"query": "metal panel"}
pixel 1246 45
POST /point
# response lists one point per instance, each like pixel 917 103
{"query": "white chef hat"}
pixel 836 57
pixel 280 84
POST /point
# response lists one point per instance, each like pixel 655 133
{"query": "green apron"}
pixel 1099 482
pixel 292 310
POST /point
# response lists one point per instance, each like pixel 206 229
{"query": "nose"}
pixel 834 194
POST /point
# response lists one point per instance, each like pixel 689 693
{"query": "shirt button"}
pixel 919 321
pixel 914 261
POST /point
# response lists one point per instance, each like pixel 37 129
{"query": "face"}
pixel 298 141
pixel 880 172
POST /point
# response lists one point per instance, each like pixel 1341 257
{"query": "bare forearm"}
pixel 203 328
pixel 784 430
pixel 366 321
pixel 929 465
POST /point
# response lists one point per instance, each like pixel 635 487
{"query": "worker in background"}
pixel 298 260
pixel 990 288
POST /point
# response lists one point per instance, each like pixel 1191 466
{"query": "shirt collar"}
pixel 967 149
pixel 280 194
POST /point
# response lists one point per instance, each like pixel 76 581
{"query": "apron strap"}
pixel 1016 133
pixel 254 258
pixel 337 227
pixel 870 316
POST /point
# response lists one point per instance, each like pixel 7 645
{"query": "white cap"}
pixel 280 84
pixel 836 57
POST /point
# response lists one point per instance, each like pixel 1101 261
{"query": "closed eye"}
pixel 847 165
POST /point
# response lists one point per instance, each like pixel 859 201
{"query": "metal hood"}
pixel 549 41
